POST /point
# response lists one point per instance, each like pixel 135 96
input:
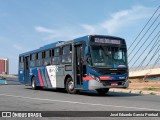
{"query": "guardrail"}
pixel 144 67
pixel 144 73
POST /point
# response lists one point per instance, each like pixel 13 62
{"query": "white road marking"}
pixel 81 103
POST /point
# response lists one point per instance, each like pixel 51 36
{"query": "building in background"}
pixel 4 66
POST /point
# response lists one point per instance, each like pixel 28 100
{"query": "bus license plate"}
pixel 114 84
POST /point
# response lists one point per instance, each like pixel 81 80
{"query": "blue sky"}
pixel 28 24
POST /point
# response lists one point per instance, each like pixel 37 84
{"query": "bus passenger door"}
pixel 78 65
pixel 26 70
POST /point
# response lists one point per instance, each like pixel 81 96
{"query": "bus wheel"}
pixel 70 86
pixel 34 86
pixel 102 91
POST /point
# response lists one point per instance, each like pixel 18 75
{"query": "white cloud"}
pixel 116 22
pixel 43 29
pixel 51 33
pixel 17 47
pixel 65 32
pixel 89 28
pixel 127 17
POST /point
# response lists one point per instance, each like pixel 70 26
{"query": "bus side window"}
pixel 32 60
pixel 21 62
pixel 67 54
pixel 39 60
pixel 56 56
pixel 47 57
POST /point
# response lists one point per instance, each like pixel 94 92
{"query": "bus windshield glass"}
pixel 108 56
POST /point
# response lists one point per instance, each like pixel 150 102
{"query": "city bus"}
pixel 92 62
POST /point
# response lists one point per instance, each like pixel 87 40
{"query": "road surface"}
pixel 23 98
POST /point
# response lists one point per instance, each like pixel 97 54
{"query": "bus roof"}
pixel 52 45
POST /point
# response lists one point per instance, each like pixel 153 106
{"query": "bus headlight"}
pixel 97 79
pixel 94 77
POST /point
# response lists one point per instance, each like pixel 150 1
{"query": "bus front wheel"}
pixel 102 91
pixel 34 86
pixel 70 86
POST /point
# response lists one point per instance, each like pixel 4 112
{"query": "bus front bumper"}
pixel 93 84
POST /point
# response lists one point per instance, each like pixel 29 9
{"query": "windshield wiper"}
pixel 105 51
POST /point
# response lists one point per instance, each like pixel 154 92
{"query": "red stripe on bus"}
pixel 40 78
pixel 87 78
pixel 101 78
pixel 104 77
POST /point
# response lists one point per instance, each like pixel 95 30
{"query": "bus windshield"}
pixel 108 56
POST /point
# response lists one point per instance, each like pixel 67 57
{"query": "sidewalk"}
pixel 135 91
pixel 9 82
pixel 139 86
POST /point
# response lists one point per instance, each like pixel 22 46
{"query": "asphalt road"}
pixel 23 98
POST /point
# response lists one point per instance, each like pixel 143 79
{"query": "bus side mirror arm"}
pixel 88 60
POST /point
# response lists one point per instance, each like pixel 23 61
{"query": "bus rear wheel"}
pixel 102 91
pixel 33 84
pixel 70 86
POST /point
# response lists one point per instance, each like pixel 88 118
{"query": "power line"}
pixel 153 46
pixel 157 60
pixel 144 35
pixel 143 28
pixel 145 50
pixel 157 50
pixel 144 43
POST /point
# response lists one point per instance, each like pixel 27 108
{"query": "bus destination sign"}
pixel 105 40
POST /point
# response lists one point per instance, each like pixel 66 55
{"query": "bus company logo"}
pixel 50 70
pixel 6 114
pixel 54 69
pixel 57 69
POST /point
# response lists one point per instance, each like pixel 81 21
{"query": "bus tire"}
pixel 103 91
pixel 33 84
pixel 70 86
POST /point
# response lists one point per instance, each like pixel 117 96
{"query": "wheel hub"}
pixel 71 85
pixel 33 85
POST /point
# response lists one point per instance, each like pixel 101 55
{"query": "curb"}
pixel 135 91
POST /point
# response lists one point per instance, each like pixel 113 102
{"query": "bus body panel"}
pixel 92 84
pixel 50 76
pixel 54 76
pixel 21 76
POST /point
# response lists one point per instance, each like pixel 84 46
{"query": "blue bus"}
pixel 92 62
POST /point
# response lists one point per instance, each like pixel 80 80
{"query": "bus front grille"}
pixel 105 71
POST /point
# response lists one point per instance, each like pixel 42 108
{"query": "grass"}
pixel 152 93
pixel 150 88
